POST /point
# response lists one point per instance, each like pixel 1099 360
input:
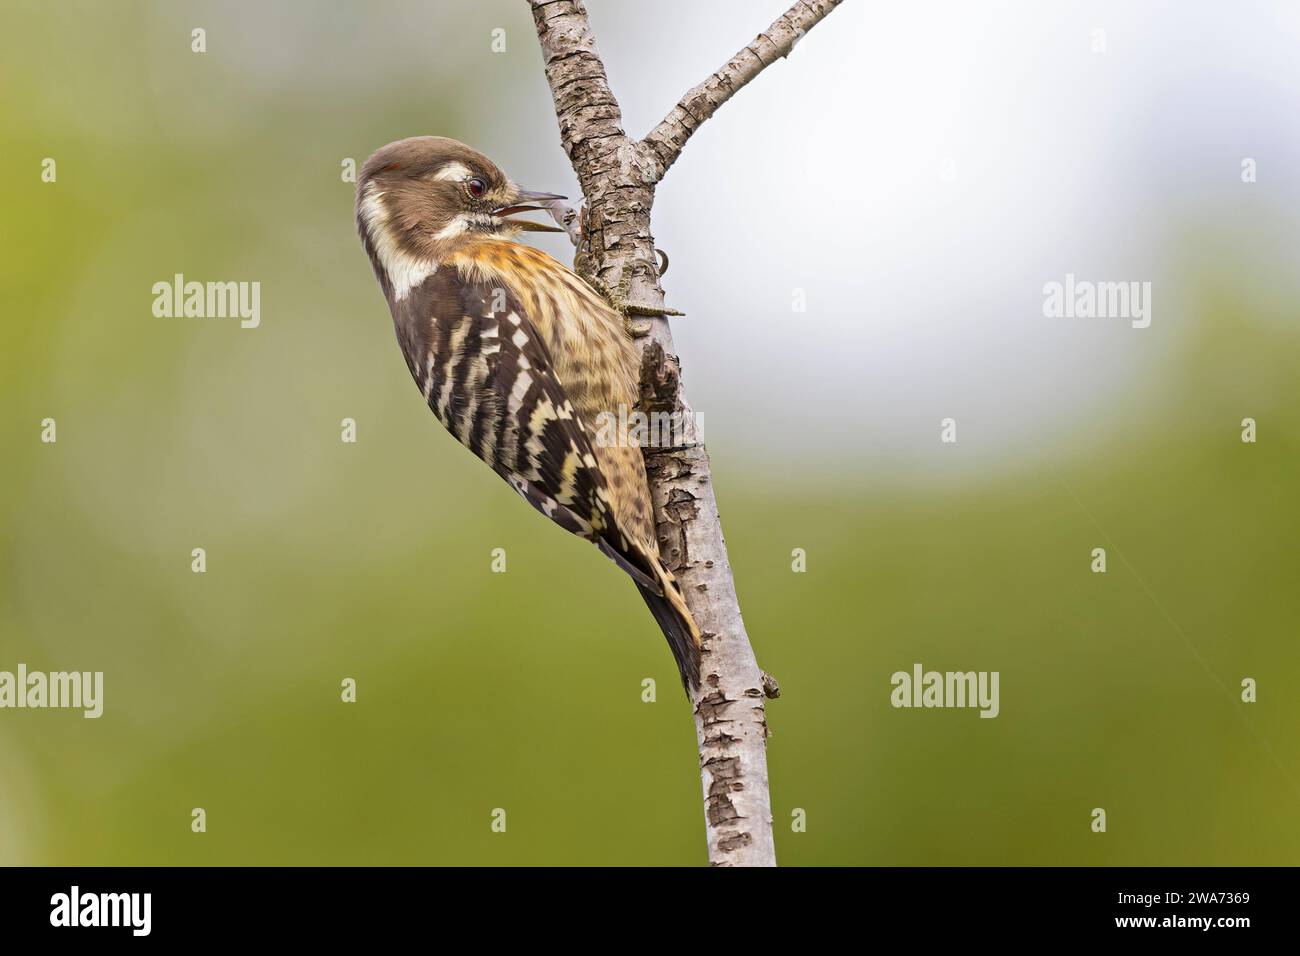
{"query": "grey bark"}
pixel 616 251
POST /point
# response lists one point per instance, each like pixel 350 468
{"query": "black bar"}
pixel 333 905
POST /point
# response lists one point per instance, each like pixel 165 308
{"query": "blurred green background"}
pixel 523 690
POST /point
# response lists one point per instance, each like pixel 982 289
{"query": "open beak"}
pixel 523 199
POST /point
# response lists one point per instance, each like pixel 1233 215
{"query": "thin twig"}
pixel 666 140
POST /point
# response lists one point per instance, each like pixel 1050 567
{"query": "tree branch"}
pixel 616 250
pixel 666 140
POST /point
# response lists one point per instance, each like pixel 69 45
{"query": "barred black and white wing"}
pixel 486 372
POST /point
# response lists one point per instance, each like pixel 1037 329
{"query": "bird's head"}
pixel 428 196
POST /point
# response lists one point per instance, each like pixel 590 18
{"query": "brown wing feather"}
pixel 488 376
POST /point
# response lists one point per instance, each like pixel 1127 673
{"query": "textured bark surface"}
pixel 616 251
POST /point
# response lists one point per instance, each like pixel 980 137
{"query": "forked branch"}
pixel 616 251
pixel 666 140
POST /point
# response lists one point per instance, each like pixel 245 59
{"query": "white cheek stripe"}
pixel 453 229
pixel 464 222
pixel 405 271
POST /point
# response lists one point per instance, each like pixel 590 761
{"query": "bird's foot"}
pixel 617 297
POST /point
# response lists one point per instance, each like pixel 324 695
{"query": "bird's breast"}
pixel 592 354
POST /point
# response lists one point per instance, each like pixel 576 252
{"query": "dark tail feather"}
pixel 681 633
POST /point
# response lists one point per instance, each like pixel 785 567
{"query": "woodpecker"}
pixel 515 354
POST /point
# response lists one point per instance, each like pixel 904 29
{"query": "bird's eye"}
pixel 476 187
